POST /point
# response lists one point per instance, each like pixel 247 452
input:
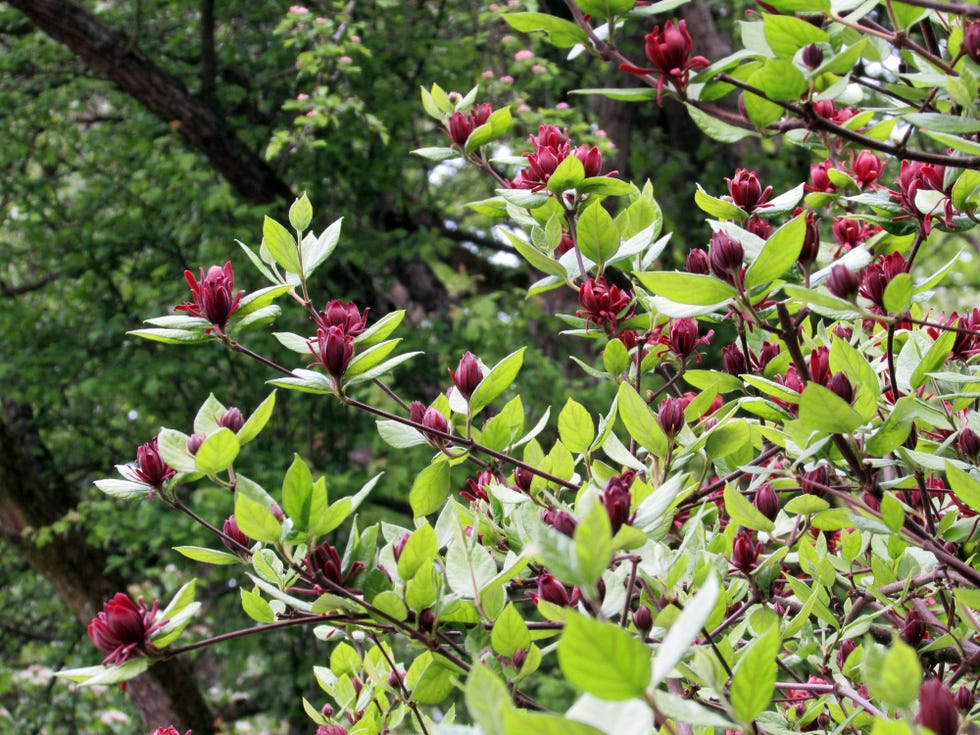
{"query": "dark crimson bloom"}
pixel 846 648
pixel 467 376
pixel 683 337
pixel 149 467
pixel 519 657
pixel 553 591
pixel 937 708
pixel 551 147
pixel 814 481
pixel 968 443
pixel 759 227
pixel 399 546
pixel 604 305
pixel 591 159
pixel 478 487
pixel 616 498
pixel 746 191
pixel 913 628
pixel 767 353
pixel 725 255
pixel 334 350
pixel 734 360
pixel 234 534
pixel 462 124
pixel 812 56
pixel 766 501
pixel 849 233
pixel 745 552
pixel 877 276
pixel 811 241
pixel 967 343
pixel 324 565
pixel 828 110
pixel 214 295
pixel 560 520
pixel 416 411
pixel 819 180
pixel 697 262
pixel 523 478
pixel 971 39
pixel 916 176
pixel 867 167
pixel 433 419
pixel 643 619
pixel 840 384
pixel 843 282
pixel 346 316
pixel 123 628
pixel 565 244
pixel 820 365
pixel 670 416
pixel 964 697
pixel 669 51
pixel 233 420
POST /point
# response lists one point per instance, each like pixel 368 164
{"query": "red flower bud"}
pixel 553 591
pixel 435 420
pixel 234 534
pixel 913 629
pixel 399 546
pixel 767 353
pixel 523 478
pixel 746 191
pixel 346 316
pixel 811 242
pixel 867 167
pixel 123 628
pixel 968 443
pixel 643 619
pixel 214 295
pixel 734 360
pixel 669 51
pixel 616 499
pixel 233 420
pixel 849 233
pixel 847 647
pixel 334 350
pixel 814 481
pixel 467 376
pixel 964 697
pixel 560 520
pixel 843 282
pixel 670 416
pixel 150 467
pixel 683 337
pixel 766 501
pixel 331 730
pixel 604 305
pixel 937 709
pixel 168 730
pixel 744 552
pixel 819 180
pixel 194 442
pixel 591 159
pixel 519 657
pixel 877 276
pixel 812 56
pixel 697 262
pixel 324 565
pixel 840 384
pixel 460 127
pixel 971 39
pixel 416 411
pixel 725 256
pixel 759 227
pixel 820 365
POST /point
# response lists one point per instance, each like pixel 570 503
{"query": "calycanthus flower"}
pixel 123 628
pixel 669 51
pixel 214 295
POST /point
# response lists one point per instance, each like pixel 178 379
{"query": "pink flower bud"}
pixel 194 442
pixel 399 546
pixel 435 420
pixel 232 420
pixel 519 657
pixel 867 168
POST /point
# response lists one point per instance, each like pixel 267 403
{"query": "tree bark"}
pixel 32 495
pixel 114 57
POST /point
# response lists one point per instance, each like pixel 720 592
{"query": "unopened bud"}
pixel 643 619
pixel 194 442
pixel 233 419
pixel 913 629
pixel 812 56
pixel 843 283
pixel 399 546
pixel 964 699
pixel 840 384
pixel 968 443
pixel 519 657
pixel 937 709
pixel 847 647
pixel 766 501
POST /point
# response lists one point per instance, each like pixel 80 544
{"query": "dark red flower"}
pixel 591 159
pixel 916 176
pixel 843 282
pixel 811 241
pixel 846 648
pixel 766 501
pixel 324 565
pixel 812 56
pixel 840 384
pixel 560 520
pixel 331 730
pixel 433 419
pixel 820 365
pixel 968 443
pixel 346 316
pixel 877 276
pixel 604 305
pixel 519 657
pixel 745 552
pixel 913 628
pixel 849 233
pixel 616 498
pixel 334 350
pixel 399 546
pixel 669 51
pixel 523 478
pixel 746 191
pixel 150 467
pixel 214 295
pixel 553 591
pixel 964 697
pixel 169 730
pixel 967 343
pixel 829 111
pixel 467 376
pixel 937 708
pixel 234 534
pixel 971 39
pixel 233 420
pixel 478 488
pixel 697 262
pixel 734 360
pixel 462 124
pixel 123 628
pixel 725 255
pixel 867 167
pixel 670 416
pixel 819 180
pixel 759 227
pixel 767 353
pixel 194 442
pixel 814 481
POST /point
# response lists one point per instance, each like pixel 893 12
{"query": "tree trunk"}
pixel 114 57
pixel 32 495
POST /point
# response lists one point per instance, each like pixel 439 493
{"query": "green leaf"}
pixel 715 128
pixel 495 127
pixel 824 410
pixel 370 358
pixel 743 512
pixel 942 123
pixel 522 722
pixel 687 288
pixel 430 489
pixel 720 208
pixel 575 425
pixel 934 359
pixel 596 234
pixel 640 421
pixel 256 521
pixel 966 487
pixel 218 452
pixel 301 500
pixel 126 489
pixel 172 336
pixel 615 358
pixel 895 676
pixel 300 213
pixel 605 186
pixel 685 630
pixel 787 34
pixel 380 330
pixel 257 421
pixel 429 680
pixel 603 659
pixel 561 33
pixel 755 677
pixel 632 94
pixel 317 250
pixel 781 80
pixel 605 8
pixel 421 548
pixel 537 259
pixel 778 254
pixel 499 379
pixel 257 607
pixel 436 153
pixel 207 556
pixel 487 699
pixel 281 245
pixel 898 294
pixel 567 175
pixel 593 546
pixel 510 633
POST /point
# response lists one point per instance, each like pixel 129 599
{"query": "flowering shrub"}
pixel 782 545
